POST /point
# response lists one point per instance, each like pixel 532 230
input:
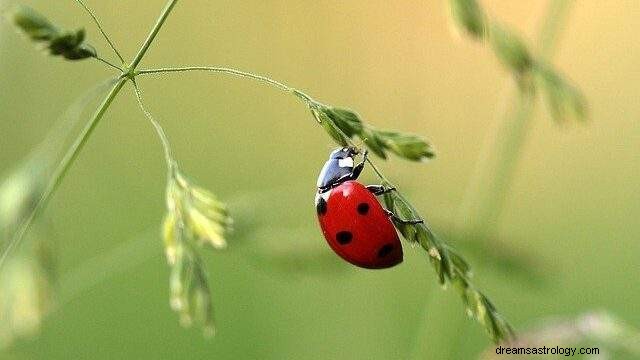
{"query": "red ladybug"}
pixel 353 222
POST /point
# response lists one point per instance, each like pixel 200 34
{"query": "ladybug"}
pixel 353 222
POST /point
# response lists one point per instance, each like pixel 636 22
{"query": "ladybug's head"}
pixel 343 153
pixel 339 168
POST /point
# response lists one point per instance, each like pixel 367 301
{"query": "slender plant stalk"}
pixel 63 167
pixel 243 74
pixel 85 134
pixel 215 69
pixel 152 35
pixel 104 34
pixel 166 145
pixel 108 63
pixel 556 17
pixel 449 266
pixel 488 188
pixel 182 196
pixel 486 192
pixel 233 72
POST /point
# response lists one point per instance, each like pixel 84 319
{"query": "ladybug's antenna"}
pixel 360 146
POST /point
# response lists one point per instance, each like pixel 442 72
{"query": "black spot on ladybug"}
pixel 385 250
pixel 321 207
pixel 344 237
pixel 363 208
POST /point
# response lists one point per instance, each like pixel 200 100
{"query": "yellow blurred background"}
pixel 279 292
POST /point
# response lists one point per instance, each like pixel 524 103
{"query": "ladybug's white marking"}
pixel 324 195
pixel 348 162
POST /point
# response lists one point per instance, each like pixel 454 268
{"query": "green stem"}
pixel 166 145
pixel 82 139
pixel 378 172
pixel 152 35
pixel 104 61
pixel 234 72
pixel 556 17
pixel 488 188
pixel 217 69
pixel 483 201
pixel 104 34
pixel 63 167
pixel 267 80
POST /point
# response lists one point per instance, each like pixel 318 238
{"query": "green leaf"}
pixel 348 121
pixel 450 267
pixel 510 50
pixel 343 124
pixel 170 238
pixel 189 287
pixel 32 24
pixel 25 297
pixel 374 143
pixel 565 101
pixel 194 217
pixel 482 310
pixel 459 263
pixel 468 15
pixel 418 233
pixel 19 194
pixel 339 136
pixel 402 209
pixel 205 219
pixel 68 44
pixel 408 146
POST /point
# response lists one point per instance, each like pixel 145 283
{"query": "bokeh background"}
pixel 279 292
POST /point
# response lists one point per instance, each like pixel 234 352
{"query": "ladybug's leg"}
pixel 403 221
pixel 379 189
pixel 358 168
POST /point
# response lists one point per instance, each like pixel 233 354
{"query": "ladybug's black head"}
pixel 343 153
pixel 338 169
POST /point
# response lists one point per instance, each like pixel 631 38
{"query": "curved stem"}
pixel 71 154
pixel 267 80
pixel 152 35
pixel 108 63
pixel 166 146
pixel 239 73
pixel 234 72
pixel 62 168
pixel 104 34
pixel 225 70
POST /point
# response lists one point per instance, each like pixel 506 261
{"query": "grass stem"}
pixel 488 188
pixel 223 70
pixel 104 34
pixel 73 152
pixel 166 146
pixel 152 35
pixel 62 168
pixel 107 62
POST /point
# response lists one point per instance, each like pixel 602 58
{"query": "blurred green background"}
pixel 279 292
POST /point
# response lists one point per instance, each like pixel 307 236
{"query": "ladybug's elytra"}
pixel 353 222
